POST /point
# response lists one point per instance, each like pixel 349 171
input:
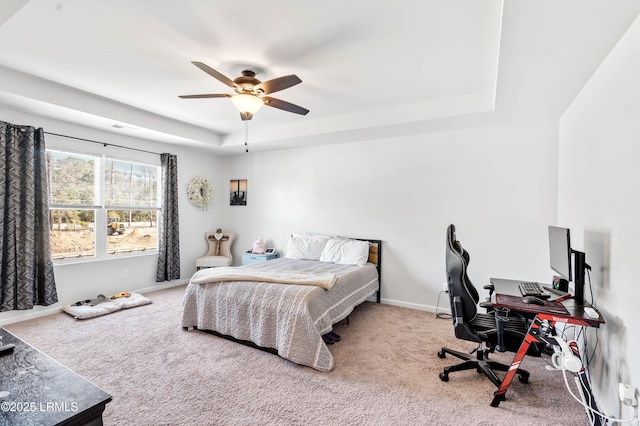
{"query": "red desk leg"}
pixel 531 337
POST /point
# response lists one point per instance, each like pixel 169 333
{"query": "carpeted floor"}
pixel 386 373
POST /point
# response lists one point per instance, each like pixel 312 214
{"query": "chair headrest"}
pixel 452 241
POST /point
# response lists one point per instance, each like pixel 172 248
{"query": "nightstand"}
pixel 248 258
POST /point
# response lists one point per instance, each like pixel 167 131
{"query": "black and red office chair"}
pixel 481 328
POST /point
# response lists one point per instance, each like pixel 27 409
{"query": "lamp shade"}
pixel 248 104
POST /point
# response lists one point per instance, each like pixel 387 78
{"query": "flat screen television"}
pixel 560 251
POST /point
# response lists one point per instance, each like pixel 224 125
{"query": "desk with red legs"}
pixel 563 309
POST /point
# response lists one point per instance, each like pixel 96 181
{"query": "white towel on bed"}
pixel 211 275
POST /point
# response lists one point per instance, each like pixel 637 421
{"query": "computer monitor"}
pixel 560 260
pixel 560 251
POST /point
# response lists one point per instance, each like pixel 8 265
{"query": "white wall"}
pixel 598 199
pixel 497 184
pixel 88 279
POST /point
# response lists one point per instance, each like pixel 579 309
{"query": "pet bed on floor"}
pixel 112 305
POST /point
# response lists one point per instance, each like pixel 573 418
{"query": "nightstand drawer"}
pixel 249 258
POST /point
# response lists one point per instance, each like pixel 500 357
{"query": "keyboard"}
pixel 531 288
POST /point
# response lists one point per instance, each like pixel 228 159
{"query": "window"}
pixel 101 206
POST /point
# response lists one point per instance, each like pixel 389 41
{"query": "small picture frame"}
pixel 238 192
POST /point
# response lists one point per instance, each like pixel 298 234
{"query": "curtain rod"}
pixel 101 143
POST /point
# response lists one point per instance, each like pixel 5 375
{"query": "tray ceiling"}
pixel 369 69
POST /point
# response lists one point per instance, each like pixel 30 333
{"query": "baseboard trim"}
pixel 409 305
pixel 50 310
pixel 25 316
pixel 168 284
pixel 54 310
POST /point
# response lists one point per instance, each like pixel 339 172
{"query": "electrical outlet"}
pixel 125 274
pixel 628 395
pixel 445 287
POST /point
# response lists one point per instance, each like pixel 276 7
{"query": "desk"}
pixel 572 313
pixel 37 390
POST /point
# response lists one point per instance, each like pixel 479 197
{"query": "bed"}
pixel 287 318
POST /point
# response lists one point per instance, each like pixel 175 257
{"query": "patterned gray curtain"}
pixel 26 268
pixel 169 245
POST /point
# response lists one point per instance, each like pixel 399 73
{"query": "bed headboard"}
pixel 375 257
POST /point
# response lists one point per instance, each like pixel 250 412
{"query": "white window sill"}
pixel 75 260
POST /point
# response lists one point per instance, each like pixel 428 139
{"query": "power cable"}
pixel 441 315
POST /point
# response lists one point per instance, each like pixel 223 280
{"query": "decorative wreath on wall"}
pixel 200 192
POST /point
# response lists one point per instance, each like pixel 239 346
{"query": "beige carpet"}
pixel 386 373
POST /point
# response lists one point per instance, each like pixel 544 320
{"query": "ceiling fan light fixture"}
pixel 250 92
pixel 248 104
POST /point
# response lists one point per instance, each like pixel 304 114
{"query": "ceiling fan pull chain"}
pixel 246 136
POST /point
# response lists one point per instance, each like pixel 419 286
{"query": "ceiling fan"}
pixel 250 92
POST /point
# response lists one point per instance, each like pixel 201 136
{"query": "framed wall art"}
pixel 238 192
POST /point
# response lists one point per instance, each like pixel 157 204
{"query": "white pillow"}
pixel 305 246
pixel 345 252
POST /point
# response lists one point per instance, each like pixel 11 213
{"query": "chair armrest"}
pixel 491 289
pixel 486 305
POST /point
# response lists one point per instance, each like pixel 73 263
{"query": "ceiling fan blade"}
pixel 280 104
pixel 215 74
pixel 277 84
pixel 210 95
pixel 246 116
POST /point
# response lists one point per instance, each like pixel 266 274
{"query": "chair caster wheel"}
pixel 441 354
pixel 444 377
pixel 523 379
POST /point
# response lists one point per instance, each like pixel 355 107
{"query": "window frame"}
pixel 101 208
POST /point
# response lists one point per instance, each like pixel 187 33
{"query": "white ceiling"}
pixel 369 69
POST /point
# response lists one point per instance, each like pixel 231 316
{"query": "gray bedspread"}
pixel 288 318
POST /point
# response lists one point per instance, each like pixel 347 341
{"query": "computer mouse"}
pixel 532 300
